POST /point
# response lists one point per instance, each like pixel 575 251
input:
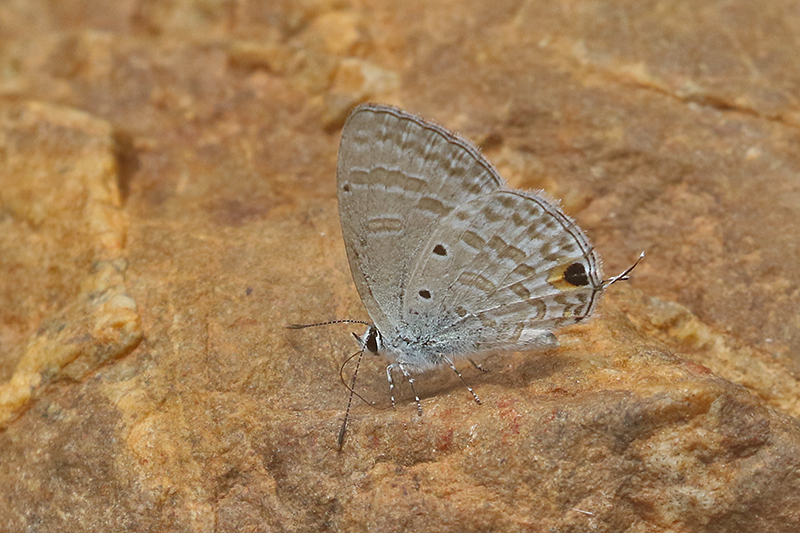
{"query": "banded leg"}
pixel 411 382
pixel 477 366
pixel 391 381
pixel 477 400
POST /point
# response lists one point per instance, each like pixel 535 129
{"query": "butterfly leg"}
pixel 411 382
pixel 477 400
pixel 477 366
pixel 391 381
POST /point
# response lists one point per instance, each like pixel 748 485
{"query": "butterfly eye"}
pixel 372 340
pixel 440 250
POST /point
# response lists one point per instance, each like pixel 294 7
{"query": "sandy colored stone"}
pixel 65 233
pixel 355 81
pixel 257 55
pixel 167 206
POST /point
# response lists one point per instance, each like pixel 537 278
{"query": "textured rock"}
pixel 63 243
pixel 167 206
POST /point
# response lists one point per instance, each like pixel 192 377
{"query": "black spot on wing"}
pixel 575 274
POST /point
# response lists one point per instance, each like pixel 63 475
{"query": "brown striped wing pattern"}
pixel 397 177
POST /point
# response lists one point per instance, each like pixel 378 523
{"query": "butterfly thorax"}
pixel 418 351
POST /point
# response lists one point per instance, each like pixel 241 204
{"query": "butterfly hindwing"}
pixel 507 270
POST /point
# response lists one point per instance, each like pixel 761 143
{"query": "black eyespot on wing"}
pixel 440 250
pixel 425 294
pixel 575 274
pixel 346 187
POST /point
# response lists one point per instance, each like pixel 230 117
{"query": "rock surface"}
pixel 167 206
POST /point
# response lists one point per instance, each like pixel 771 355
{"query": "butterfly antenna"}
pixel 623 276
pixel 301 326
pixel 349 387
pixel 340 438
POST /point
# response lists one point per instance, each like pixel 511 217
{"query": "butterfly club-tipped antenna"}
pixel 624 275
pixel 368 343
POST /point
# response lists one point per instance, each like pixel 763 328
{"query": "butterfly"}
pixel 449 262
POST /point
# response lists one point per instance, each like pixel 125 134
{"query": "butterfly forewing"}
pixel 397 177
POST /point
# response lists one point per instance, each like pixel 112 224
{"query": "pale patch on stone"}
pixel 65 187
